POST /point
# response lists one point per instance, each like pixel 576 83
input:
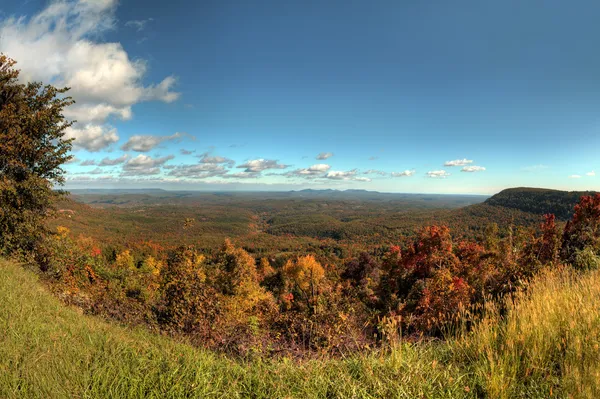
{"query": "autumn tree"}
pixel 550 241
pixel 581 236
pixel 186 302
pixel 304 276
pixel 32 149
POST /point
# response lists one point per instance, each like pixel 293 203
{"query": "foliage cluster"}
pixel 544 344
pixel 314 303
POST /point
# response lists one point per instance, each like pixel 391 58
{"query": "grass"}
pixel 546 346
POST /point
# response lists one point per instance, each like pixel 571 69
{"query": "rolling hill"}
pixel 539 200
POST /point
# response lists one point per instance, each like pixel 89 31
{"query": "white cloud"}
pixel 144 165
pixel 243 175
pixel 312 171
pixel 575 177
pixel 215 159
pixel 144 143
pixel 591 174
pixel 374 172
pixel 341 175
pixel 438 174
pixel 324 155
pixel 458 162
pixel 60 45
pixel 92 137
pixel 349 175
pixel 200 171
pixel 96 113
pixel 116 161
pixel 473 168
pixel 88 162
pixel 258 165
pixel 138 24
pixel 406 173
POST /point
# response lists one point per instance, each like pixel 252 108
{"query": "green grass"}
pixel 546 346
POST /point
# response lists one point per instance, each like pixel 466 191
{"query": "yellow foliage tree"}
pixel 124 260
pixel 243 297
pixel 265 269
pixel 306 275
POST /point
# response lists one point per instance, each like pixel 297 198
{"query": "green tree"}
pixel 32 150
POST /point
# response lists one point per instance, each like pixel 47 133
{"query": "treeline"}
pixel 303 304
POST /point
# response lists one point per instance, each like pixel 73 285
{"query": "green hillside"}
pixel 547 346
pixel 539 201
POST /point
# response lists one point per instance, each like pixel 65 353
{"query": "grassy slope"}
pixel 551 348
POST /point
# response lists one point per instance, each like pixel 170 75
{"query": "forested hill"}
pixel 539 200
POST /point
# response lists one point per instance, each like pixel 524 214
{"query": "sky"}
pixel 388 95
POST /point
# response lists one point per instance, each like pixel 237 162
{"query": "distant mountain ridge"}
pixel 539 200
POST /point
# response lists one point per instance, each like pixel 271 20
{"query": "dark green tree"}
pixel 32 150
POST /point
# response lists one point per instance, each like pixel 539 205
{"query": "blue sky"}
pixel 398 96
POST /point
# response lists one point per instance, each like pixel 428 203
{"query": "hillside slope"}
pixel 547 346
pixel 539 201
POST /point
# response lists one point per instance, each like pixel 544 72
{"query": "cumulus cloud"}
pixel 341 175
pixel 144 165
pixel 96 113
pixel 186 152
pixel 88 162
pixel 591 174
pixel 60 45
pixel 575 177
pixel 473 168
pixel 406 173
pixel 199 171
pixel 438 174
pixel 458 162
pixel 312 171
pixel 350 175
pixel 215 159
pixel 116 161
pixel 324 155
pixel 144 143
pixel 258 165
pixel 92 137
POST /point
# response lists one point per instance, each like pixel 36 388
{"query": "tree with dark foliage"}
pixel 32 150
